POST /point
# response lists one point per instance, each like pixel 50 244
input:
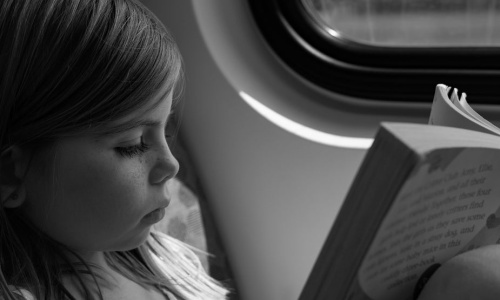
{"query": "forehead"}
pixel 156 109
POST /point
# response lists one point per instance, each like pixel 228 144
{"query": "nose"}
pixel 165 167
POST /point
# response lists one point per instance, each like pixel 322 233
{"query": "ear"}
pixel 12 169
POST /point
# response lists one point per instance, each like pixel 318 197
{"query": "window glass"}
pixel 411 23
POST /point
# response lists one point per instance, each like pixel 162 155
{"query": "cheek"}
pixel 88 195
pixel 103 183
pixel 90 199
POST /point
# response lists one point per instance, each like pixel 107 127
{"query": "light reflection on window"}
pixel 303 131
pixel 411 23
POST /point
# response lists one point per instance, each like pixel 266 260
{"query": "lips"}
pixel 154 217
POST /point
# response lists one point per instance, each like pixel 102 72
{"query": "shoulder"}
pixel 471 275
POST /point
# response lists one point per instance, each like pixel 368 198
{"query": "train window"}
pixel 400 23
pixel 387 50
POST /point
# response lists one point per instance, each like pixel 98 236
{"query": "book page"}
pixel 469 110
pixel 450 204
pixel 456 112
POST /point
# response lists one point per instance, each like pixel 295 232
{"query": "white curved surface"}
pixel 305 132
pixel 274 194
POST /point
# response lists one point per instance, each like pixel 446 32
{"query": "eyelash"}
pixel 139 149
pixel 134 150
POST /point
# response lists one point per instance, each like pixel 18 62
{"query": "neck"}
pixel 105 275
pixel 96 258
pixel 111 284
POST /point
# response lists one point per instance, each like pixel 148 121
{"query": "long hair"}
pixel 69 67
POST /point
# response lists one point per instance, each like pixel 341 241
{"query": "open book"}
pixel 423 194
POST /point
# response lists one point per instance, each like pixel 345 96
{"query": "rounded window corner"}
pixel 400 75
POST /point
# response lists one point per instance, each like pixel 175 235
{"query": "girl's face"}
pixel 104 193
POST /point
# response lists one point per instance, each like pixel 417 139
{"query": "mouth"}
pixel 154 217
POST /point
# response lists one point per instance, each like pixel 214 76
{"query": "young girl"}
pixel 86 91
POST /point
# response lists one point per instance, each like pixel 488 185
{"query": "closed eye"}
pixel 133 150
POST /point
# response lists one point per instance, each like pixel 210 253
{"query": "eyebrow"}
pixel 146 123
pixel 120 128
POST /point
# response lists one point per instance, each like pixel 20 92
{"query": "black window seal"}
pixel 401 74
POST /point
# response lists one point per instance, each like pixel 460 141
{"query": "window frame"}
pixel 401 74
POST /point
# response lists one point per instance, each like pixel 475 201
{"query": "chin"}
pixel 134 241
